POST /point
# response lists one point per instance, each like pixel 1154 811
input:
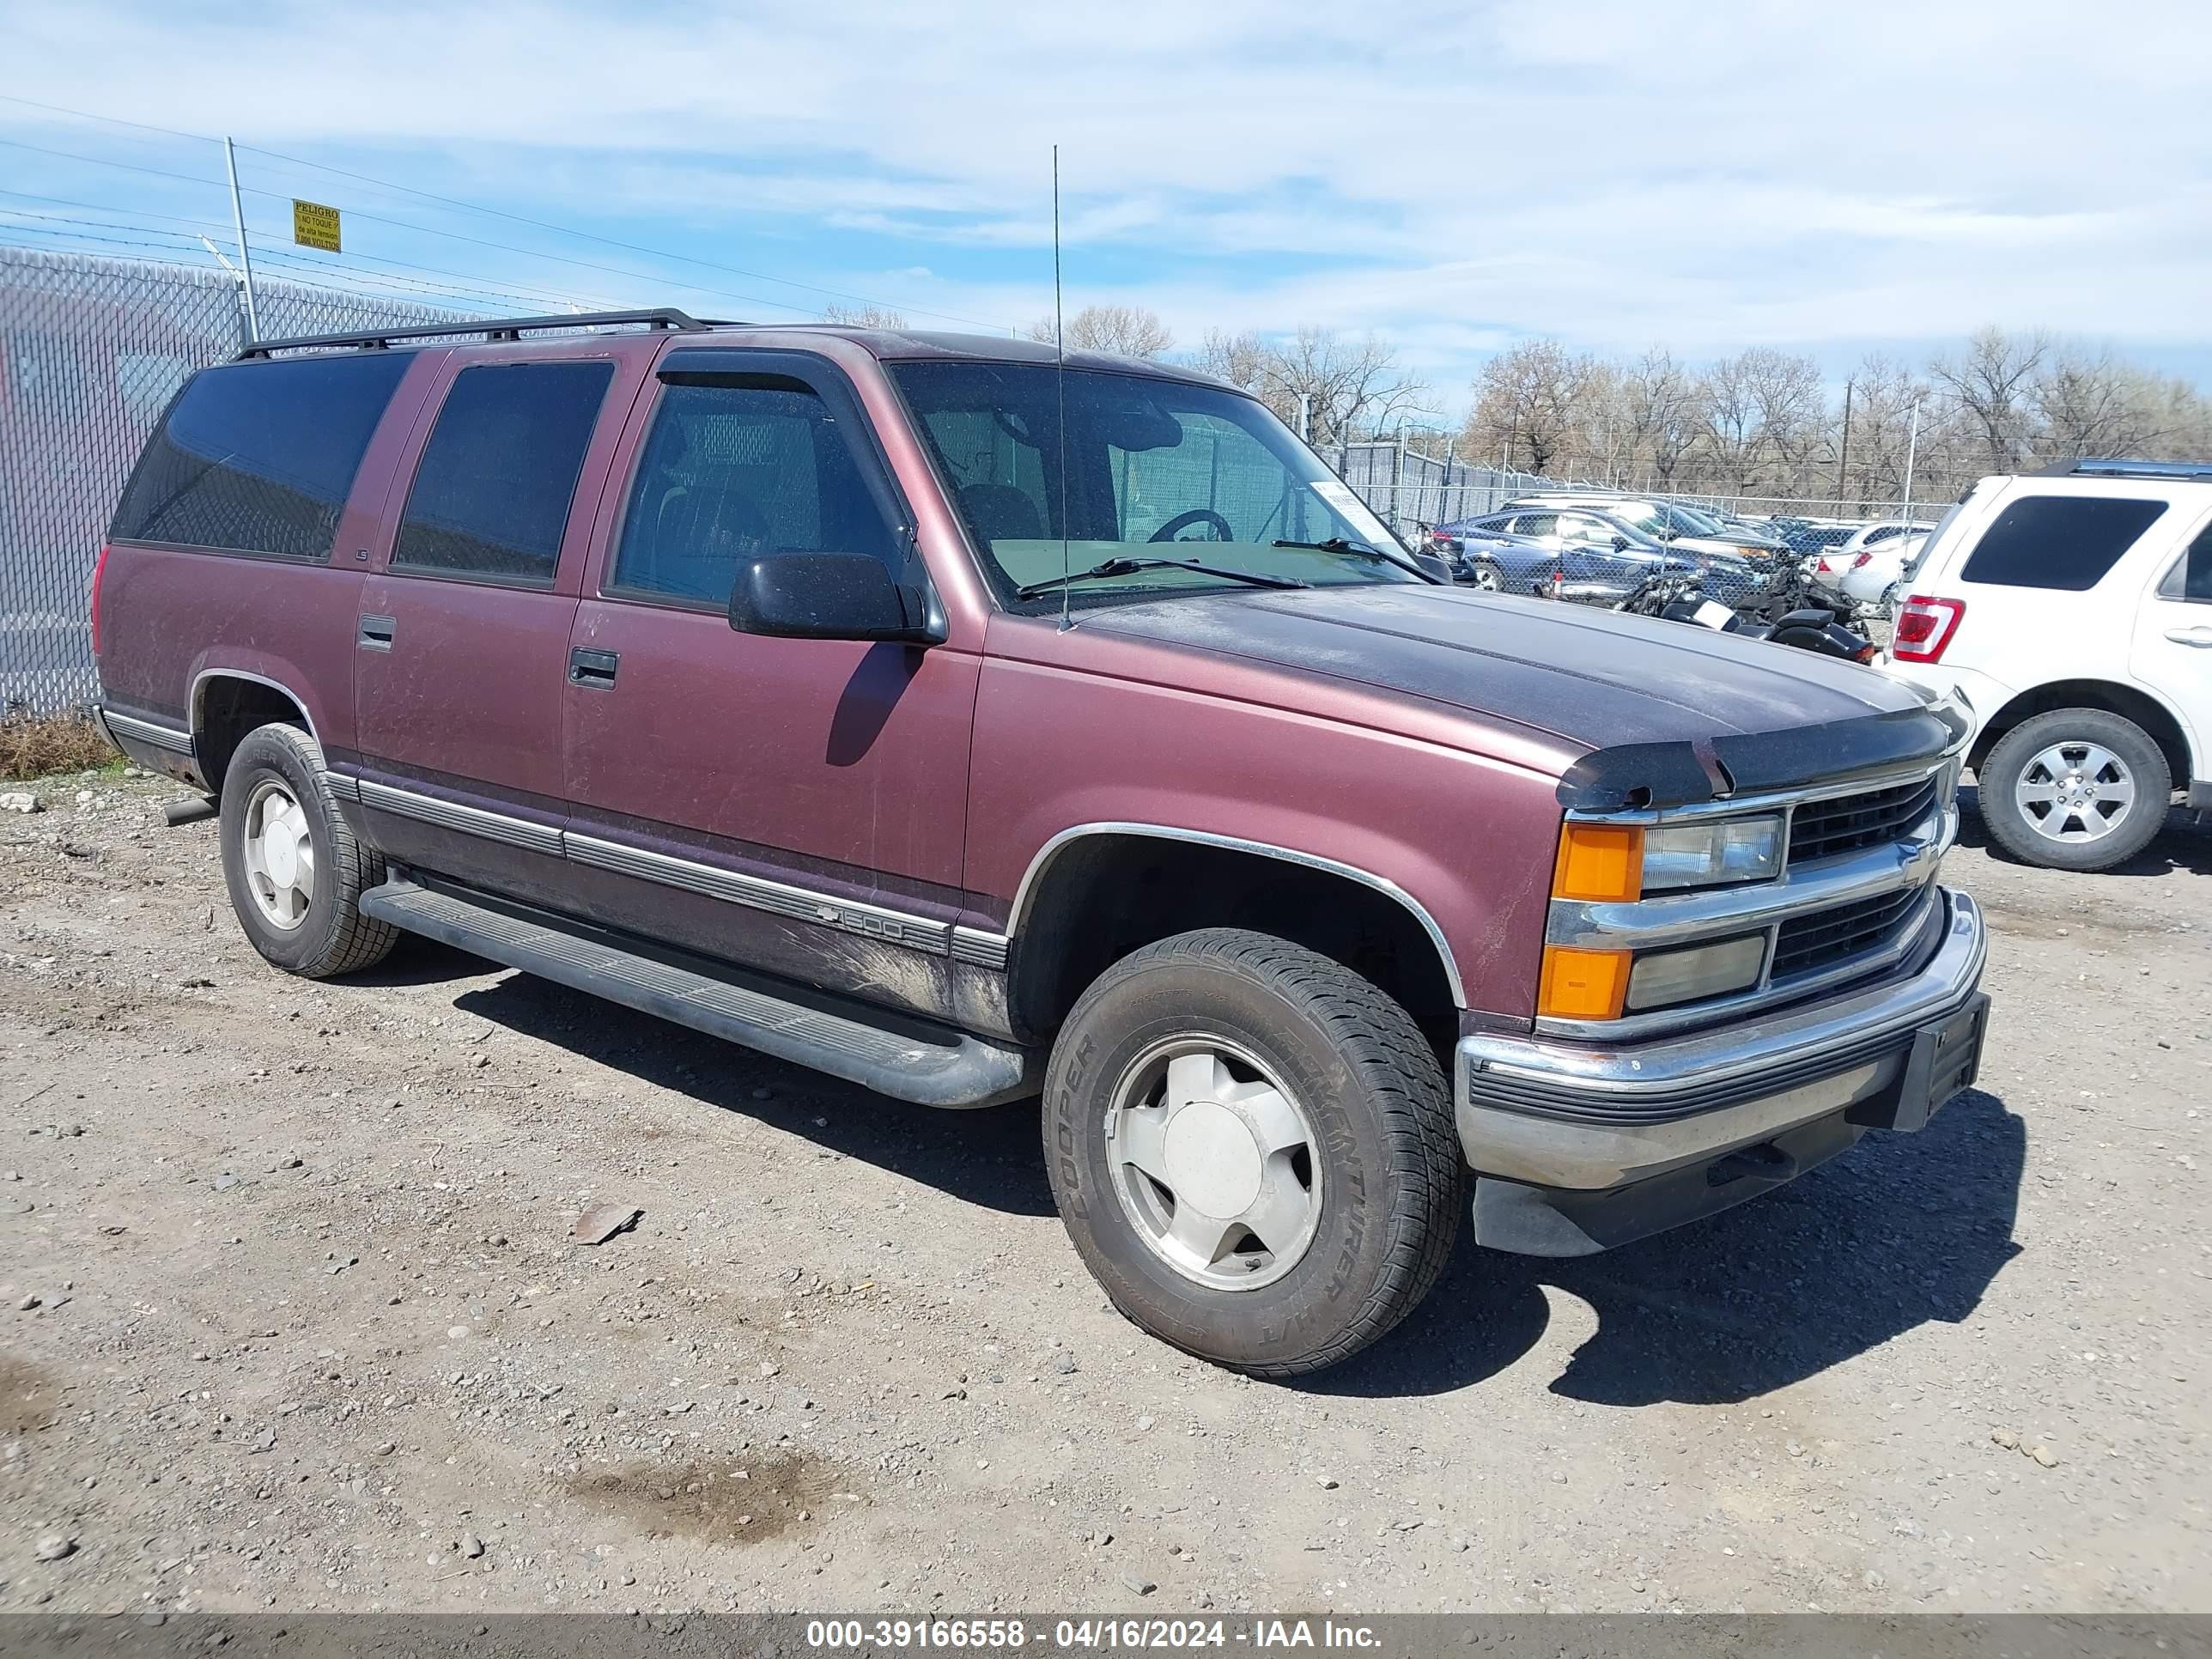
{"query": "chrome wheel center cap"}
pixel 1212 1160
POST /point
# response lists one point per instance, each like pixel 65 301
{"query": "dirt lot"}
pixel 292 1318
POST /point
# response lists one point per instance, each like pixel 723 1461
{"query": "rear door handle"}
pixel 595 669
pixel 376 633
pixel 2199 636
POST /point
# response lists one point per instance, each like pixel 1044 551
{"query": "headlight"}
pixel 1661 979
pixel 1711 852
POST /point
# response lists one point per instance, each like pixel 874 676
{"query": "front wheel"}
pixel 1252 1148
pixel 2074 789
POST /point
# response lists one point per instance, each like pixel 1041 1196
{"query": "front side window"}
pixel 1150 469
pixel 753 467
pixel 2191 576
pixel 2063 541
pixel 491 497
pixel 259 457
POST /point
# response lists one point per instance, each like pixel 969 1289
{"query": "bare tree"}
pixel 1658 405
pixel 1121 331
pixel 1992 384
pixel 1239 359
pixel 2091 405
pixel 1530 404
pixel 1349 388
pixel 867 316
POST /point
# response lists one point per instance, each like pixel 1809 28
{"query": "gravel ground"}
pixel 294 1319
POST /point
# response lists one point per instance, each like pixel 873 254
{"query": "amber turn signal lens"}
pixel 1582 984
pixel 1600 862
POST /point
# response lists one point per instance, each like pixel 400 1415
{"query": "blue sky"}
pixel 1620 174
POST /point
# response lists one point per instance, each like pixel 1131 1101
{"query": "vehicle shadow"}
pixel 991 1158
pixel 1899 1230
pixel 2185 844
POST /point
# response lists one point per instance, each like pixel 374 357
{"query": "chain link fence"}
pixel 91 352
pixel 1408 489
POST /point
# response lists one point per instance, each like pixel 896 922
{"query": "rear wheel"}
pixel 295 871
pixel 2074 789
pixel 1485 576
pixel 1252 1148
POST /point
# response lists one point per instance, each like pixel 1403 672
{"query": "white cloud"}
pixel 1614 171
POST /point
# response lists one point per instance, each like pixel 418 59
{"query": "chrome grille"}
pixel 1824 829
pixel 1805 944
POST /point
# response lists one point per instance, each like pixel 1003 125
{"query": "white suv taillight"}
pixel 1926 625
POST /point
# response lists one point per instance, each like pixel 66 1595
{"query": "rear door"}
pixel 796 805
pixel 2174 642
pixel 462 643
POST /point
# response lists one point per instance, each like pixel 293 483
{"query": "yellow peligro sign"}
pixel 314 225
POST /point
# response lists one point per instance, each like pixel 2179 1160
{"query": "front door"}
pixel 463 640
pixel 795 805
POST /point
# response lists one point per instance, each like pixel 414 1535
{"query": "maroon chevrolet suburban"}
pixel 976 726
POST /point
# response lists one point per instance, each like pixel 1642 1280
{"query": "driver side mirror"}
pixel 827 596
pixel 1619 543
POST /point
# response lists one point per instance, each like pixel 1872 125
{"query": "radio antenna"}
pixel 1060 345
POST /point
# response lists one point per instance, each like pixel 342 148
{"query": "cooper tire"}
pixel 275 789
pixel 1384 1158
pixel 2019 761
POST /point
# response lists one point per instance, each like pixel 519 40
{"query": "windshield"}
pixel 1154 469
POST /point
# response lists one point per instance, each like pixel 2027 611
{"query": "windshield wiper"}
pixel 1360 550
pixel 1126 567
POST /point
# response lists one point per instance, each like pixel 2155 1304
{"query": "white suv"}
pixel 2073 609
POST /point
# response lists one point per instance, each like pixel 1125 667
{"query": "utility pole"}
pixel 245 259
pixel 1843 449
pixel 1912 454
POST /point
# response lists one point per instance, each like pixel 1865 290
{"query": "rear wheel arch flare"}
pixel 227 705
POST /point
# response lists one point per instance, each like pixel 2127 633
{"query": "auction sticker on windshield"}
pixel 1354 510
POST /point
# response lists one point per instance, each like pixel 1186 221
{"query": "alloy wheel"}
pixel 1215 1163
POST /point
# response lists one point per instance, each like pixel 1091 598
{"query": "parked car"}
pixel 2073 609
pixel 1811 536
pixel 823 689
pixel 1669 522
pixel 1867 575
pixel 1546 552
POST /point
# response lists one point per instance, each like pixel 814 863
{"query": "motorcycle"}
pixel 1807 627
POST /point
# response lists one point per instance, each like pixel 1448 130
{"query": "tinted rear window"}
pixel 491 495
pixel 2065 542
pixel 259 457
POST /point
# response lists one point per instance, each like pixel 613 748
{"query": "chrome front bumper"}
pixel 1560 1115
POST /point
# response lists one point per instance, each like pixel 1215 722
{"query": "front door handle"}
pixel 376 633
pixel 595 669
pixel 2199 636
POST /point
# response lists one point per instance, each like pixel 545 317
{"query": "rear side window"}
pixel 736 472
pixel 2066 542
pixel 490 499
pixel 2191 576
pixel 259 457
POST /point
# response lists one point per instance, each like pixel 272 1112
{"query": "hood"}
pixel 1596 680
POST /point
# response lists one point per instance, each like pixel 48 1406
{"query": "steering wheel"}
pixel 1205 515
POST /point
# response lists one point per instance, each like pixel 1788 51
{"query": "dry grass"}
pixel 33 745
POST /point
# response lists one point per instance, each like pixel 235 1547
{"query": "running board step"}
pixel 961 1071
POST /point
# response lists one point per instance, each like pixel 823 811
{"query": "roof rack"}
pixel 492 328
pixel 2194 470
